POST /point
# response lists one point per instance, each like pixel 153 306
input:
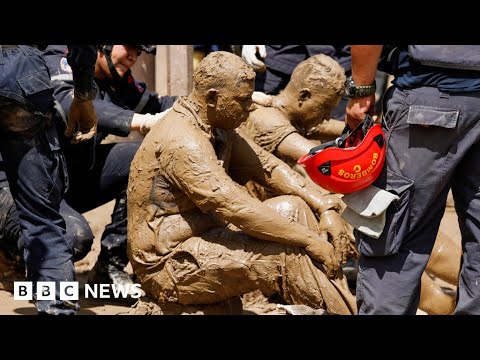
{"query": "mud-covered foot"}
pixel 301 310
pixel 110 274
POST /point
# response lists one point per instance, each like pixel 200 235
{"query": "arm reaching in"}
pixel 249 54
pixel 144 122
pixel 82 118
pixel 364 66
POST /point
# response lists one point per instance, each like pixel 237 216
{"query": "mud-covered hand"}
pixel 82 121
pixel 333 224
pixel 330 202
pixel 322 251
pixel 249 54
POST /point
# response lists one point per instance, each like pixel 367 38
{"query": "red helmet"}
pixel 351 162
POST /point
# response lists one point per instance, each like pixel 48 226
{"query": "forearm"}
pixel 112 119
pixel 364 67
pixel 364 63
pixel 256 219
pixel 81 59
pixel 293 147
pixel 284 180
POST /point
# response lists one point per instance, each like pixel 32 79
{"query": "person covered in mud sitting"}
pixel 299 111
pixel 195 235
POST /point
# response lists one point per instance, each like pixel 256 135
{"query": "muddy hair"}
pixel 332 74
pixel 221 69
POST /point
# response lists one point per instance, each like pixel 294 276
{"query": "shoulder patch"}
pixel 139 86
pixel 64 65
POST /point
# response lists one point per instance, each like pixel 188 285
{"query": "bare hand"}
pixel 357 108
pixel 324 252
pixel 332 223
pixel 82 121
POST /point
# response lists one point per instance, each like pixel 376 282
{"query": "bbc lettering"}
pixel 68 290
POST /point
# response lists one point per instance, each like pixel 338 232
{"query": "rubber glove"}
pixel 82 120
pixel 249 54
pixel 144 122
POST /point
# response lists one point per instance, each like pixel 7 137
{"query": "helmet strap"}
pixel 107 50
pixel 348 137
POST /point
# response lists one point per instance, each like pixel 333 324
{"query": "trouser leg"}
pixel 37 177
pixel 465 189
pixel 428 133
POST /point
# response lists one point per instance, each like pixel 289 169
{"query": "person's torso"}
pixel 267 127
pixel 24 78
pixel 154 177
pixel 411 73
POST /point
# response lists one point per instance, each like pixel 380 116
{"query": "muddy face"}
pixel 233 107
pixel 316 85
pixel 316 109
pixel 225 82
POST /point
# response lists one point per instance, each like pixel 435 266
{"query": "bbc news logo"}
pixel 69 290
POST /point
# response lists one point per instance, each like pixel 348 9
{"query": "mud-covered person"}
pixel 300 110
pixel 195 235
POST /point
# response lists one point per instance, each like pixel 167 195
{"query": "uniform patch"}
pixel 64 65
pixel 139 86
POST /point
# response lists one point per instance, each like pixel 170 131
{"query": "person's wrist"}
pixel 85 95
pixel 353 90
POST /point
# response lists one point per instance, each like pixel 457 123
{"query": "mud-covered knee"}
pixel 286 205
pixel 294 208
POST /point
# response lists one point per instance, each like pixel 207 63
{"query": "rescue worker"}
pixel 431 123
pixel 196 237
pixel 98 172
pixel 34 163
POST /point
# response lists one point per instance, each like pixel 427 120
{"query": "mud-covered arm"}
pixel 250 161
pixel 194 168
pixel 270 171
pixel 293 147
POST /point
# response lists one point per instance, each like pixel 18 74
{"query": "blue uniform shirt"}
pixel 410 75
